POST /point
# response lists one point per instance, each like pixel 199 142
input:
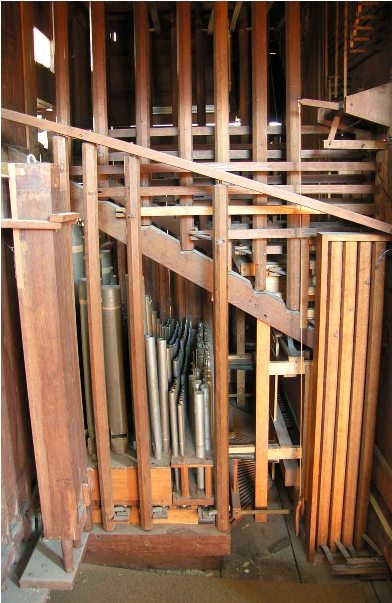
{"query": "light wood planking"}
pixel 262 416
pixel 221 343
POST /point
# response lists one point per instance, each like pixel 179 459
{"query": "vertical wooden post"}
pixel 371 389
pixel 98 48
pixel 221 91
pixel 293 144
pixel 94 305
pixel 259 128
pixel 61 62
pixel 173 56
pixel 136 338
pixel 29 73
pixel 345 49
pixel 142 85
pixel 262 416
pixel 221 342
pixel 200 70
pixel 61 158
pixel 184 86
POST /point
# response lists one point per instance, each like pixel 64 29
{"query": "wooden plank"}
pixel 293 146
pixel 142 83
pixel 61 158
pixel 99 92
pixel 357 389
pixel 199 168
pixel 184 86
pixel 311 102
pixel 331 382
pixel 374 104
pixel 371 389
pixel 344 389
pixel 316 408
pixel 95 330
pixel 382 477
pixel 221 343
pixel 136 339
pixel 262 416
pixel 355 144
pixel 61 62
pixel 259 128
pixel 200 69
pixel 29 225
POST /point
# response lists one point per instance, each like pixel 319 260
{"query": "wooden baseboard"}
pixel 164 547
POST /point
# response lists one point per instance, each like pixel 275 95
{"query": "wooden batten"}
pixel 61 62
pixel 221 342
pixel 136 339
pixel 95 328
pixel 262 417
pixel 99 89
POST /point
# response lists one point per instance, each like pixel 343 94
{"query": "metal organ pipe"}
pixel 163 392
pixel 153 395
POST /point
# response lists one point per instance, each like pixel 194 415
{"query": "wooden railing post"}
pixel 95 329
pixel 136 338
pixel 221 337
pixel 262 416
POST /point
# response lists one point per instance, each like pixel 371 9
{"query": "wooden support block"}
pixel 136 338
pixel 220 322
pixel 262 416
pixel 184 482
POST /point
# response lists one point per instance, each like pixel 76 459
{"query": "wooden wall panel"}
pixel 350 278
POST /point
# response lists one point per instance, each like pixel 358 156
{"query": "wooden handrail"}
pixel 197 168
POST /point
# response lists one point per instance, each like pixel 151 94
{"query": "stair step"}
pixel 45 567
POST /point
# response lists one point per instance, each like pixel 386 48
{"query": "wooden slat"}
pixel 330 393
pixel 357 391
pixel 61 62
pixel 184 86
pixel 98 75
pixel 221 343
pixel 371 389
pixel 142 83
pixel 200 69
pixel 29 71
pixel 136 339
pixel 95 329
pixel 316 408
pixel 61 158
pixel 262 416
pixel 344 389
pixel 293 145
pixel 198 168
pixel 240 344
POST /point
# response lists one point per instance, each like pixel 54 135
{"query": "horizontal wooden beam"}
pixel 216 174
pixel 30 225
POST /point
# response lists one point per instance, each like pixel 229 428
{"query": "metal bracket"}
pixel 206 515
pixel 159 513
pixel 121 513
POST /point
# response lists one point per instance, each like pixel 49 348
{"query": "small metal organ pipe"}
pixel 163 392
pixel 153 395
pixel 88 399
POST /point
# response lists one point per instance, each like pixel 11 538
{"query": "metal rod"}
pixel 114 367
pixel 181 426
pixel 163 392
pixel 173 419
pixel 153 396
pixel 264 511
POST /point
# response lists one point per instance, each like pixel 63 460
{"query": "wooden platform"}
pixel 164 547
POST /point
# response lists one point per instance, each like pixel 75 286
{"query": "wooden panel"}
pixel 349 279
pixel 221 82
pixel 47 311
pixel 262 417
pixel 136 338
pixel 95 330
pixel 221 343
